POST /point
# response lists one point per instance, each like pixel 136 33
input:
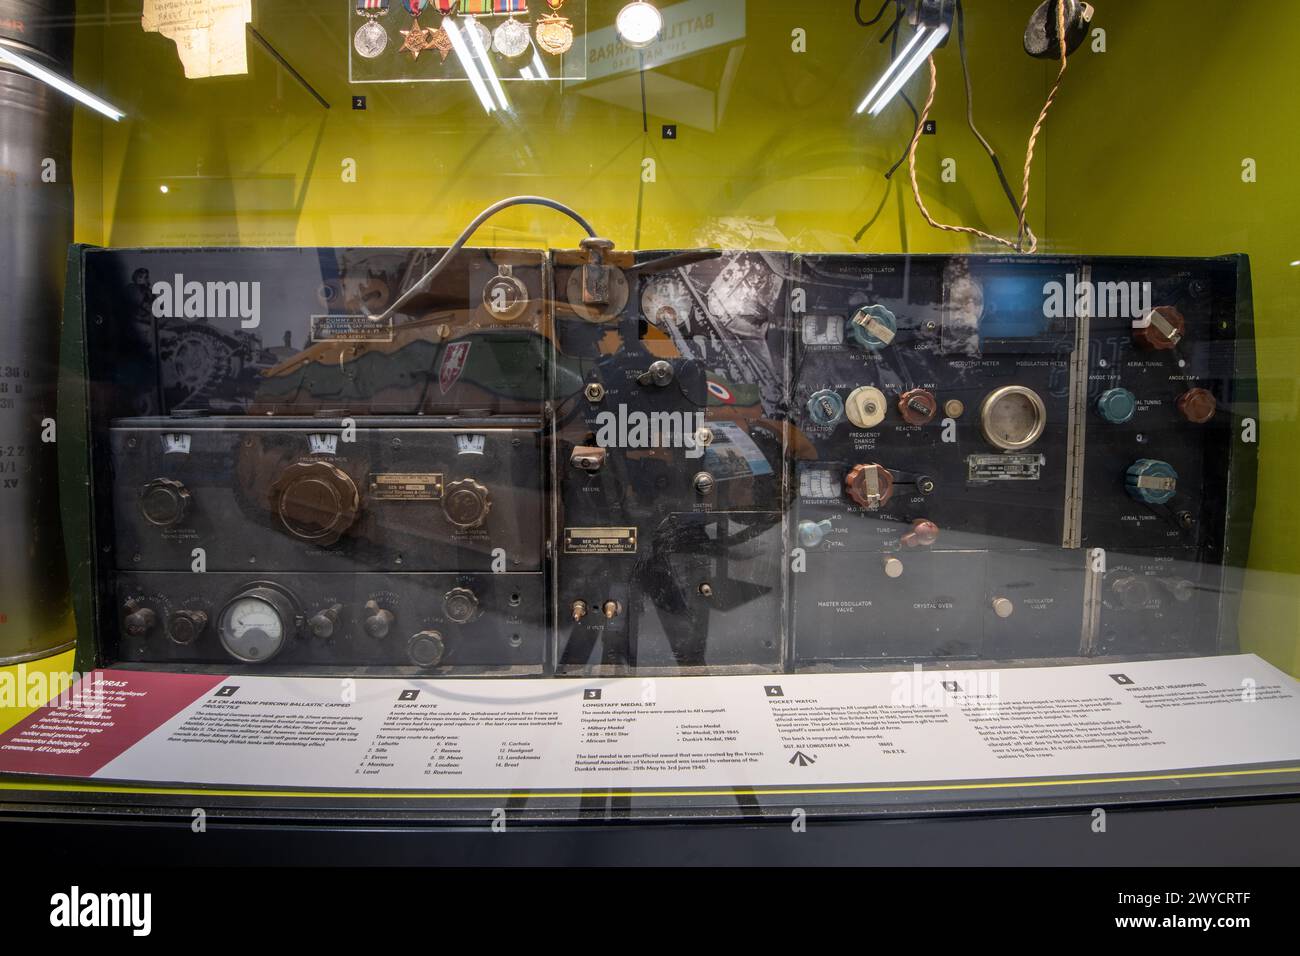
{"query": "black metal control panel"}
pixel 674 462
pixel 668 463
pixel 298 465
pixel 324 495
pixel 1015 458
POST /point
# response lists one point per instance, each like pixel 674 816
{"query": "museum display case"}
pixel 607 411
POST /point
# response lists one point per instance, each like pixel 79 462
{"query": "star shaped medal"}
pixel 417 39
pixel 438 39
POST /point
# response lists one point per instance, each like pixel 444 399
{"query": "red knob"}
pixel 918 407
pixel 1162 329
pixel 923 534
pixel 1198 405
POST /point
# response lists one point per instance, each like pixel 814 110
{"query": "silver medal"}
pixel 484 34
pixel 511 38
pixel 371 40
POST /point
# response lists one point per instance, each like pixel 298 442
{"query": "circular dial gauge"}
pixel 255 625
pixel 504 296
pixel 666 302
pixel 1013 418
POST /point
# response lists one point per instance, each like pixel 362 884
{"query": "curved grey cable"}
pixel 464 237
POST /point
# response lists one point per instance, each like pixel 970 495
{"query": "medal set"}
pixel 512 38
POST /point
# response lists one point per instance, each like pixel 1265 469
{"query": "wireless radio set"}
pixel 505 462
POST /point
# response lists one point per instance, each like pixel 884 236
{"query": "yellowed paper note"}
pixel 209 34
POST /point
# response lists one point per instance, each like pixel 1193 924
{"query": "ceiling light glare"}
pixel 639 23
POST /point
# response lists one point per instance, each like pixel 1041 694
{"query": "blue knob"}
pixel 1151 482
pixel 1117 405
pixel 825 407
pixel 871 327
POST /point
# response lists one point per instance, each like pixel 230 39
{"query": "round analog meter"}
pixel 1013 418
pixel 256 624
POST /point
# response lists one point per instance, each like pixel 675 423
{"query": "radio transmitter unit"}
pixel 342 461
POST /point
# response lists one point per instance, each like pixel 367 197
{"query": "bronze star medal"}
pixel 417 39
pixel 440 41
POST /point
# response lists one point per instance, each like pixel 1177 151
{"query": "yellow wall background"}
pixel 255 160
pixel 1147 151
pixel 1142 155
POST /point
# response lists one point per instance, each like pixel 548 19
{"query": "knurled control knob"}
pixel 1162 329
pixel 918 406
pixel 316 501
pixel 322 623
pixel 140 622
pixel 1132 592
pixel 871 486
pixel 872 327
pixel 1117 405
pixel 923 534
pixel 460 605
pixel 164 502
pixel 466 503
pixel 185 626
pixel 1198 405
pixel 825 407
pixel 425 649
pixel 1151 482
pixel 865 406
pixel 378 620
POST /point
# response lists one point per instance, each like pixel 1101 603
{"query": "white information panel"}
pixel 671 733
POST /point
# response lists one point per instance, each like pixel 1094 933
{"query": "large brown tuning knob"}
pixel 1162 328
pixel 1198 405
pixel 316 501
pixel 466 503
pixel 164 502
pixel 871 486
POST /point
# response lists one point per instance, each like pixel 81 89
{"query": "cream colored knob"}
pixel 1003 607
pixel 865 406
pixel 893 567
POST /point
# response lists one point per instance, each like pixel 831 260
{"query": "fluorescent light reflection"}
pixel 923 42
pixel 33 69
pixel 467 61
pixel 488 69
